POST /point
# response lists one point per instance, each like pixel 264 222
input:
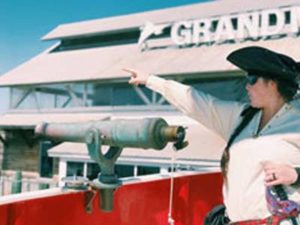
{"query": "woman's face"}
pixel 261 91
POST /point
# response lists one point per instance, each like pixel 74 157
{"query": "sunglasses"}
pixel 251 79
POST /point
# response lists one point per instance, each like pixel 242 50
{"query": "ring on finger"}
pixel 274 176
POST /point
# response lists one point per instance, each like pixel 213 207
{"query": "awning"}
pixel 204 148
pixel 30 120
pixel 106 63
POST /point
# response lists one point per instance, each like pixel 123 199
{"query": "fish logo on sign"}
pixel 148 30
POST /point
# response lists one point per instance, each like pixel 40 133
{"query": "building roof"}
pixel 193 11
pixel 106 63
pixel 30 120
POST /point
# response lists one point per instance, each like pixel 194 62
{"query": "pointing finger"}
pixel 133 72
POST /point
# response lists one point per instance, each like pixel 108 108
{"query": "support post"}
pixel 16 186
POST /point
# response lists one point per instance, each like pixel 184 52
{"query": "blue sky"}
pixel 24 22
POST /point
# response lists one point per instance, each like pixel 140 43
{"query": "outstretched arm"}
pixel 218 115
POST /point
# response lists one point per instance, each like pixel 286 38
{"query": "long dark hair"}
pixel 287 89
pixel 247 116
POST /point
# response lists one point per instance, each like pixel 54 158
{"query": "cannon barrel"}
pixel 138 133
pixel 146 133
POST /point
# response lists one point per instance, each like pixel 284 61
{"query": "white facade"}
pixel 80 77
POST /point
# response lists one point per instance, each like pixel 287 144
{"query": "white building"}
pixel 80 78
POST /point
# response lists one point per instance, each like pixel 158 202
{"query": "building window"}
pixel 116 94
pixel 45 162
pixel 52 96
pixel 93 170
pixel 109 39
pixel 124 170
pixel 119 95
pixel 75 169
pixel 232 89
pixel 145 170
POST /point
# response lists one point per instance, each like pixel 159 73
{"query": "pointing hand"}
pixel 137 77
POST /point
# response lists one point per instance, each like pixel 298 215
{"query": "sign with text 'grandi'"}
pixel 238 26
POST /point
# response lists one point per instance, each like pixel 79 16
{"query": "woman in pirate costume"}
pixel 263 150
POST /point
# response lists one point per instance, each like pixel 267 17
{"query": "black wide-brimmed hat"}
pixel 266 63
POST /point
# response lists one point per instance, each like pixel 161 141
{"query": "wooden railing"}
pixel 16 182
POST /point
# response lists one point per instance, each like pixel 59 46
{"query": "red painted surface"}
pixel 144 203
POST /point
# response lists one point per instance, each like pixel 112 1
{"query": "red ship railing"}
pixel 135 203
